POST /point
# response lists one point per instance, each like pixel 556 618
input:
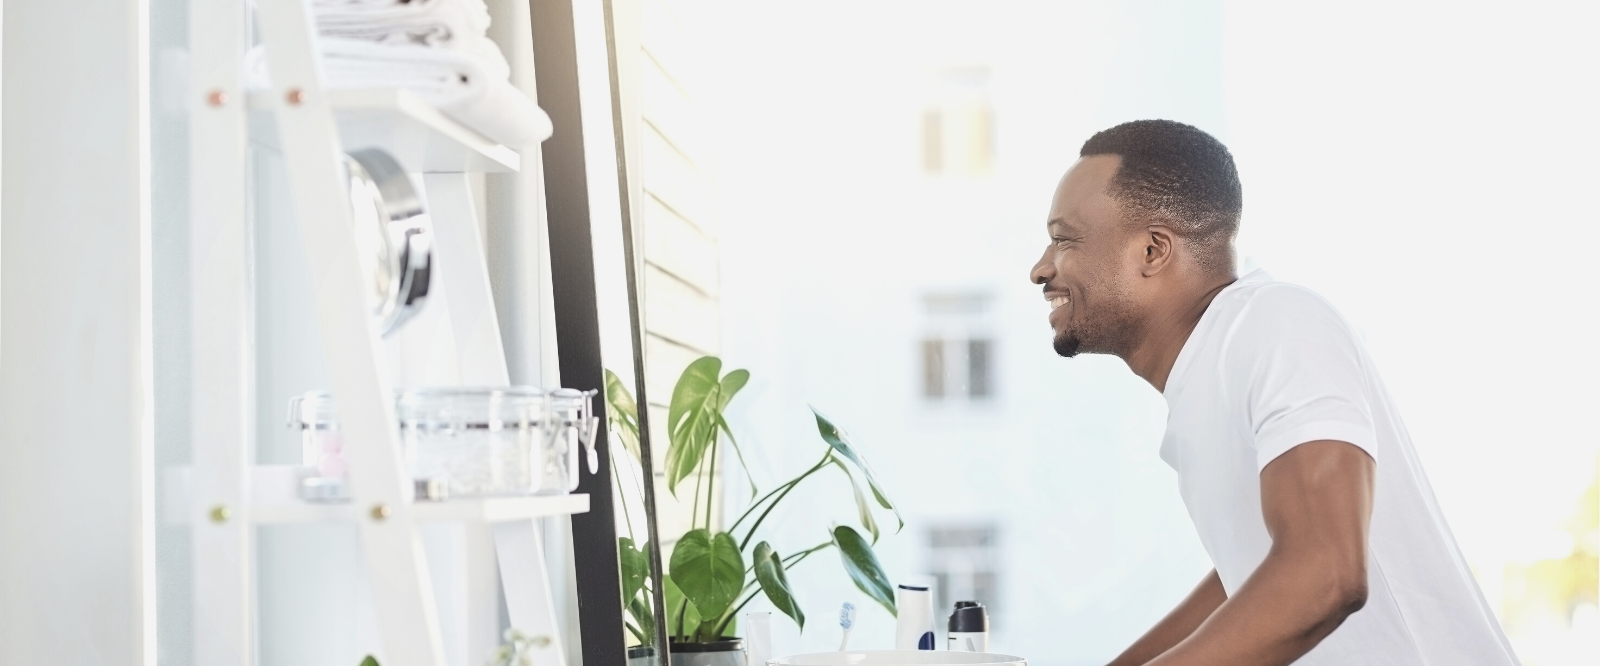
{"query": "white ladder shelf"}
pixel 227 495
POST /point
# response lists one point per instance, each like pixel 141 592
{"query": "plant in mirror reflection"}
pixel 714 573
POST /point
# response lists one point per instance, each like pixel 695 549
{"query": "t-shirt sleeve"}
pixel 1304 372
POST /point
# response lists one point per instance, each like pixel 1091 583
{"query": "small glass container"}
pixel 320 444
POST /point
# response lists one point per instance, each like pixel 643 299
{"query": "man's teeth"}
pixel 1058 301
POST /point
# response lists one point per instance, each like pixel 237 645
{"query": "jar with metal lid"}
pixel 321 447
pixel 481 441
pixel 470 442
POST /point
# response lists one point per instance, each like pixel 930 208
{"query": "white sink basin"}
pixel 900 658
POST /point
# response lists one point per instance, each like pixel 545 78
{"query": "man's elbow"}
pixel 1347 592
pixel 1350 594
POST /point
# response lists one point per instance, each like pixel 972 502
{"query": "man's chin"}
pixel 1067 345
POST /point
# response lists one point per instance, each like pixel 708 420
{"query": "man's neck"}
pixel 1165 334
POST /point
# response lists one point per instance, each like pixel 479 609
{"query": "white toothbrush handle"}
pixel 844 641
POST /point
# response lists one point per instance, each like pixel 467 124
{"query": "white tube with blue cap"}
pixel 913 629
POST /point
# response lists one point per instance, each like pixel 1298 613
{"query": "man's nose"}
pixel 1043 270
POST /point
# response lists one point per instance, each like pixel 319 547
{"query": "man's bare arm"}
pixel 1317 502
pixel 1177 625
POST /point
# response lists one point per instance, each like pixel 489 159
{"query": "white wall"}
pixel 75 413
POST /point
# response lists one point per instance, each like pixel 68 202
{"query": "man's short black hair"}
pixel 1179 176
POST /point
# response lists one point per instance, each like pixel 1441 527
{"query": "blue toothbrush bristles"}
pixel 847 619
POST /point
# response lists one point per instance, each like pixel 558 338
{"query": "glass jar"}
pixel 482 442
pixel 474 442
pixel 321 447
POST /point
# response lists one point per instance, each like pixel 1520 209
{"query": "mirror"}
pixel 596 287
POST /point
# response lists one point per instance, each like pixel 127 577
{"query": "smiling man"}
pixel 1327 543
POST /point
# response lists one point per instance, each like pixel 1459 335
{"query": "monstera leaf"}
pixel 862 565
pixel 635 565
pixel 775 583
pixel 682 616
pixel 841 444
pixel 623 413
pixel 694 417
pixel 709 569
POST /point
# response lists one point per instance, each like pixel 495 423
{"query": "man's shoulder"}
pixel 1260 302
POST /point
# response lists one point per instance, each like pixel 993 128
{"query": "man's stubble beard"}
pixel 1112 332
pixel 1067 344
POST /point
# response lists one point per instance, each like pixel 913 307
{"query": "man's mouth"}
pixel 1056 300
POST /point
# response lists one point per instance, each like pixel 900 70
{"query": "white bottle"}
pixel 969 628
pixel 913 629
pixel 758 637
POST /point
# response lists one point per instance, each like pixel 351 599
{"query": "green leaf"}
pixel 682 616
pixel 862 565
pixel 863 509
pixel 707 632
pixel 691 428
pixel 622 413
pixel 369 661
pixel 635 566
pixel 841 443
pixel 694 387
pixel 709 570
pixel 730 384
pixel 640 610
pixel 723 425
pixel 775 583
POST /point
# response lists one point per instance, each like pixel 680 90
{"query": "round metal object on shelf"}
pixel 393 234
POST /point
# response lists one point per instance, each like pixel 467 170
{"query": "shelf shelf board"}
pixel 273 501
pixel 422 138
pixel 482 510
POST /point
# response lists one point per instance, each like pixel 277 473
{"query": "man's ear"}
pixel 1160 244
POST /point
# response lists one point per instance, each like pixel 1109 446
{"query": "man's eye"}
pixel 1060 242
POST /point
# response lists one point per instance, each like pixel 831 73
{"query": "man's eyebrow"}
pixel 1060 223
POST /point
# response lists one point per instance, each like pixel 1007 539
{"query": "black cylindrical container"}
pixel 969 628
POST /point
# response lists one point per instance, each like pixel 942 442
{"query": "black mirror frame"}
pixel 594 534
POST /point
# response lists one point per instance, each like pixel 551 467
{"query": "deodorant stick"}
pixel 913 630
pixel 969 628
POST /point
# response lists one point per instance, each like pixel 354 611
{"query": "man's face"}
pixel 1088 267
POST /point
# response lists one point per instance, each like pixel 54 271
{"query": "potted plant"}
pixel 713 573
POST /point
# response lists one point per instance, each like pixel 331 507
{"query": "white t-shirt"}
pixel 1271 366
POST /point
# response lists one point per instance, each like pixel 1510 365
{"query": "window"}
pixel 957 351
pixel 958 123
pixel 962 558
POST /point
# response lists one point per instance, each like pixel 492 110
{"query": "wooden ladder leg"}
pixel 222 319
pixel 529 598
pixel 462 266
pixel 379 484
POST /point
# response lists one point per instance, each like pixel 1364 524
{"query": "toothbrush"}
pixel 847 619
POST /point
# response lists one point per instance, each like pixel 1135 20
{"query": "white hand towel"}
pixel 462 86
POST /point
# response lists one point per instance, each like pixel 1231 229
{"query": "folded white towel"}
pixel 464 87
pixel 428 22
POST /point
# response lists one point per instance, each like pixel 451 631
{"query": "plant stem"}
pixel 637 634
pixel 780 491
pixel 752 533
pixel 694 510
pixel 797 557
pixel 711 480
pixel 728 616
pixel 683 609
pixel 627 519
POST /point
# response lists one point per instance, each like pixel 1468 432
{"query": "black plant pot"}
pixel 727 652
pixel 642 655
